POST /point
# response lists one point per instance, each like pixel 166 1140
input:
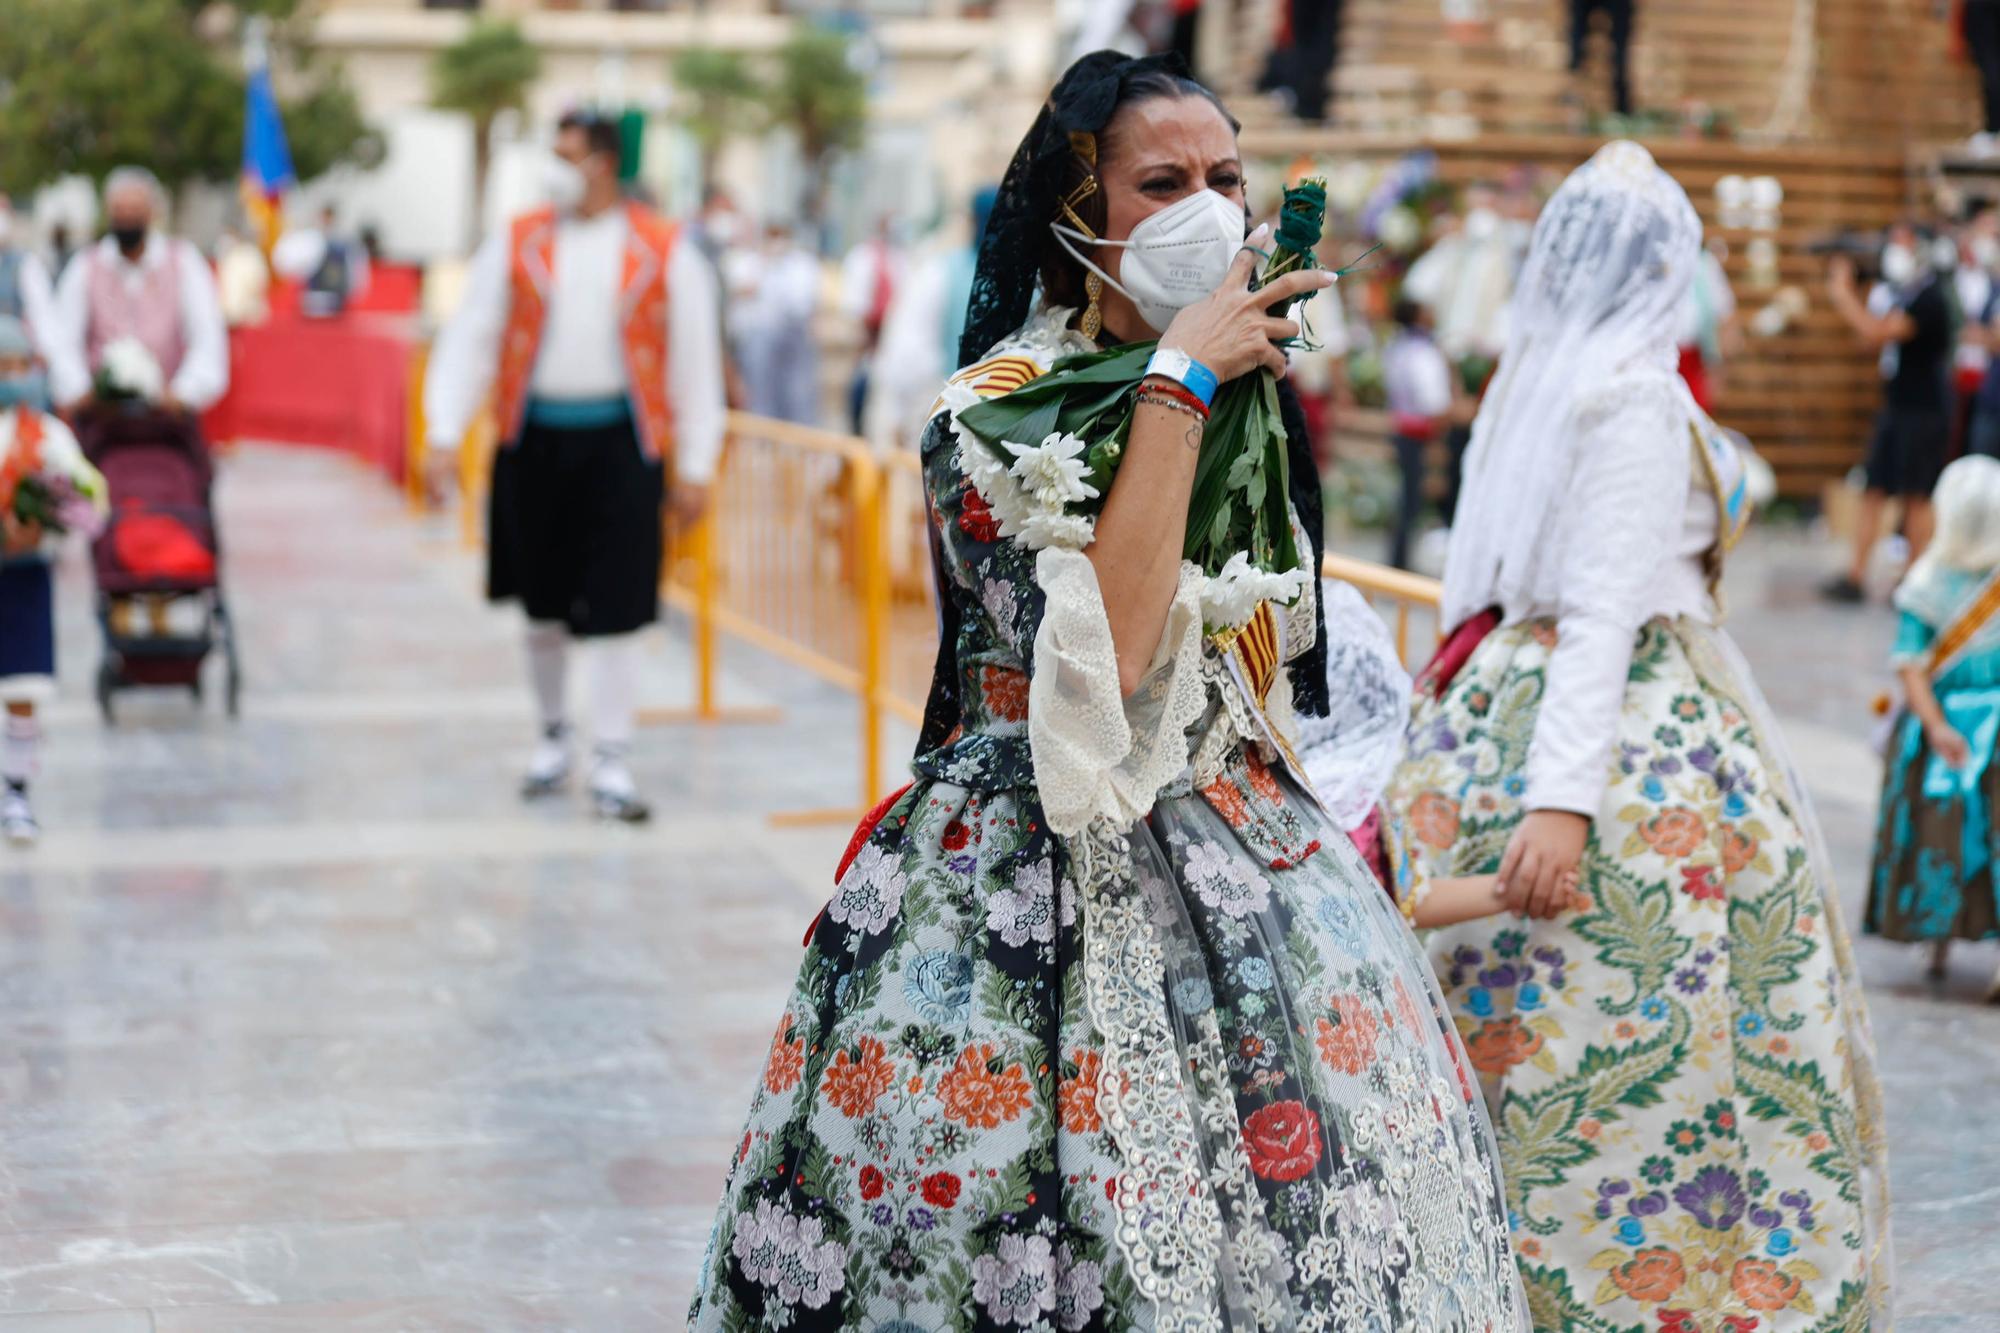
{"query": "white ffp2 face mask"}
pixel 562 182
pixel 1899 264
pixel 1173 257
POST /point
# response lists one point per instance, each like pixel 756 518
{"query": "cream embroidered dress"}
pixel 1106 1026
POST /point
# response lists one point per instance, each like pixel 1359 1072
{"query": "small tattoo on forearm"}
pixel 1193 437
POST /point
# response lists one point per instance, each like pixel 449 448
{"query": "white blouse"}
pixel 1628 554
pixel 580 354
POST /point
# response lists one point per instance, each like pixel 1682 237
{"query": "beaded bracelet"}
pixel 1176 391
pixel 1153 398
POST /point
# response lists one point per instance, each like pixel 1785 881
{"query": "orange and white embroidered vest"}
pixel 642 305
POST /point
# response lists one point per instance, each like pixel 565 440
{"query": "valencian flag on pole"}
pixel 267 158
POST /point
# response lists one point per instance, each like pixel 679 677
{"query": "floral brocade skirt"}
pixel 1133 1082
pixel 1679 1071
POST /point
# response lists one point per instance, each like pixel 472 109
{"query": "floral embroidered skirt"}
pixel 1679 1072
pixel 1933 876
pixel 1154 1084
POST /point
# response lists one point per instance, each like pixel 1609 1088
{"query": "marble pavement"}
pixel 306 1023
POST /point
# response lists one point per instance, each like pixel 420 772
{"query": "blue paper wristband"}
pixel 1185 371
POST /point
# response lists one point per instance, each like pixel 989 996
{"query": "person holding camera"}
pixel 1908 319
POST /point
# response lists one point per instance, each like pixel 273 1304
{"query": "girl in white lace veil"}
pixel 1678 1060
pixel 1593 316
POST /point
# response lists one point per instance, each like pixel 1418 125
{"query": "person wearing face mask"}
pixel 1910 321
pixel 597 329
pixel 1107 1024
pixel 1979 265
pixel 139 283
pixel 31 442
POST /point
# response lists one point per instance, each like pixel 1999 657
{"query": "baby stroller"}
pixel 157 561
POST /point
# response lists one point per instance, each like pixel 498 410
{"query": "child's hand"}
pixel 1544 850
pixel 1949 745
pixel 18 538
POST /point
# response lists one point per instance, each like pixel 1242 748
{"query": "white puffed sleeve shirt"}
pixel 1639 520
pixel 581 355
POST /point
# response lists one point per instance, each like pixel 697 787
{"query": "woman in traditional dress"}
pixel 1107 1026
pixel 1677 1061
pixel 1933 879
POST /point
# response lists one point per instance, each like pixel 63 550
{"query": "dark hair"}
pixel 1406 312
pixel 1062 277
pixel 600 132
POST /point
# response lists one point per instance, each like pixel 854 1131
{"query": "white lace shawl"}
pixel 1591 333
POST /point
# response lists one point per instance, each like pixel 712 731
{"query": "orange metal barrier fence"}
pixel 816 550
pixel 790 560
pixel 1407 601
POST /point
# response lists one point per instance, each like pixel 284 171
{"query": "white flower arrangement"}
pixel 1230 597
pixel 1030 502
pixel 130 368
pixel 1029 498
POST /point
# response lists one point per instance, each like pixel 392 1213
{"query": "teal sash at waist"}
pixel 579 413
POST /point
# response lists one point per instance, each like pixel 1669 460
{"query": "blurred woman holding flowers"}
pixel 1107 1026
pixel 1677 1059
pixel 46 489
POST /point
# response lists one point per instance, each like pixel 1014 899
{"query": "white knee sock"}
pixel 614 694
pixel 548 672
pixel 20 750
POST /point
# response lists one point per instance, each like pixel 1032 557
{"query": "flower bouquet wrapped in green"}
pixel 1080 413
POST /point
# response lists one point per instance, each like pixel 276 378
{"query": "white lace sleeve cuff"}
pixel 1097 752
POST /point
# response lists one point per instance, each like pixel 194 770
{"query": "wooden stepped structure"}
pixel 1829 71
pixel 1844 102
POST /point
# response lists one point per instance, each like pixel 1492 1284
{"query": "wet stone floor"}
pixel 306 1023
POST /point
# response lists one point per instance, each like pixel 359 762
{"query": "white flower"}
pixel 870 893
pixel 1230 597
pixel 1070 531
pixel 995 484
pixel 1400 229
pixel 1052 471
pixel 1028 909
pixel 130 366
pixel 790 1255
pixel 1017 1286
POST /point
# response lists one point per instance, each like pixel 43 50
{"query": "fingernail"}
pixel 1327 277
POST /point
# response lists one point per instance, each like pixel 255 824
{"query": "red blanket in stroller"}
pixel 161 537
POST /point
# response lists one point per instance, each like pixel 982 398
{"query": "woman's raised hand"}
pixel 1231 330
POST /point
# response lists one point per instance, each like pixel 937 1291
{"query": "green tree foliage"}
pixel 718 92
pixel 485 72
pixel 822 97
pixel 86 85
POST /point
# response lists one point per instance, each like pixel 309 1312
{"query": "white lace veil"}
pixel 1598 302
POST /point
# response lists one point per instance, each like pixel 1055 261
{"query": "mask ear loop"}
pixel 1084 145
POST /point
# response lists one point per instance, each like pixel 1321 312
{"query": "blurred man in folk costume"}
pixel 598 333
pixel 140 285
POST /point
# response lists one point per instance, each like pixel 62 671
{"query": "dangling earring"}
pixel 1084 145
